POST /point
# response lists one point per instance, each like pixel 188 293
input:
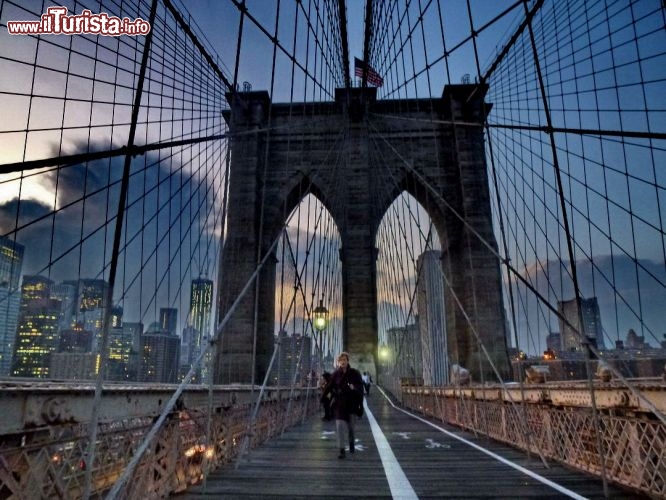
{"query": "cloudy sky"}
pixel 65 95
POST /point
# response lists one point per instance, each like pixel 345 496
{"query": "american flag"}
pixel 373 76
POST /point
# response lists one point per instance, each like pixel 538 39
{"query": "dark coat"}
pixel 345 400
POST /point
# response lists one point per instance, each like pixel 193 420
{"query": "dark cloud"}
pixel 28 211
pixel 76 240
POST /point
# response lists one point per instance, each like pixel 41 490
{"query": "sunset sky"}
pixel 62 95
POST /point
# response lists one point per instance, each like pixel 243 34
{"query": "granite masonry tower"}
pixel 431 148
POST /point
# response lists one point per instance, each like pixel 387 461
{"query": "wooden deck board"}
pixel 303 464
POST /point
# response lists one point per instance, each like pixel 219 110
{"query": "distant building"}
pixel 75 339
pixel 169 319
pixel 575 366
pixel 66 293
pixel 186 352
pixel 432 320
pixel 201 307
pixel 11 262
pixel 37 334
pixel 160 353
pixel 591 327
pixel 92 294
pixel 124 346
pixel 404 352
pixel 116 319
pixel 294 360
pixel 74 365
pixel 133 331
pixel 10 303
pixel 93 321
pixel 554 342
pixel 635 341
pixel 91 302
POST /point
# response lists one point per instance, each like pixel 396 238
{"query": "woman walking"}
pixel 346 388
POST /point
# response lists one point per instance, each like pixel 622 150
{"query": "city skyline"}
pixel 76 204
pixel 533 346
pixel 45 346
pixel 477 219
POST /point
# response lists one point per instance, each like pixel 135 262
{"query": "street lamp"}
pixel 384 355
pixel 320 316
pixel 320 322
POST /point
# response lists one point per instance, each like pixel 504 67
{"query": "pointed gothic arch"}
pixel 351 151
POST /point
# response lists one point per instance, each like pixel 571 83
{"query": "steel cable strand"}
pixel 245 445
pixel 413 220
pixel 297 283
pixel 172 401
pixel 568 231
pixel 485 114
pixel 112 273
pixel 412 299
pixel 615 372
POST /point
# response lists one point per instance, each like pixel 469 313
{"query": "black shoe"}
pixel 342 453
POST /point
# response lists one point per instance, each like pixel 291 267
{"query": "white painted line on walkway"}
pixel 533 475
pixel 398 482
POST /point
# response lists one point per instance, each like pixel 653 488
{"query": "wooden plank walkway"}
pixel 303 464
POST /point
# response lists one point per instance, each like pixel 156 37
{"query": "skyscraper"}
pixel 160 354
pixel 186 358
pixel 11 261
pixel 116 319
pixel 75 339
pixel 66 293
pixel 591 328
pixel 201 306
pixel 37 334
pixel 124 346
pixel 133 331
pixel 91 300
pixel 405 355
pixel 10 302
pixel 92 294
pixel 294 360
pixel 169 319
pixel 432 321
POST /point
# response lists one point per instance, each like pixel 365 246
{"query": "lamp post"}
pixel 320 322
pixel 384 354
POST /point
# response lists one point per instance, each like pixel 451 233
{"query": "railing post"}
pixel 547 437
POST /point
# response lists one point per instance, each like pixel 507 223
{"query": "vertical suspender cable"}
pixel 503 237
pixel 94 419
pixel 572 257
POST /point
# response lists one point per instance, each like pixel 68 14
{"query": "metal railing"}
pixel 556 421
pixel 46 458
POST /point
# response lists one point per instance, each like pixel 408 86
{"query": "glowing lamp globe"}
pixel 320 316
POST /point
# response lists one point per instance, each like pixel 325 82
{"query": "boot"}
pixel 342 453
pixel 351 446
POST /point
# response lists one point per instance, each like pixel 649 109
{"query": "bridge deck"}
pixel 303 463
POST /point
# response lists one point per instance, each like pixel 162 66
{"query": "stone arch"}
pixel 435 209
pixel 291 195
pixel 279 161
